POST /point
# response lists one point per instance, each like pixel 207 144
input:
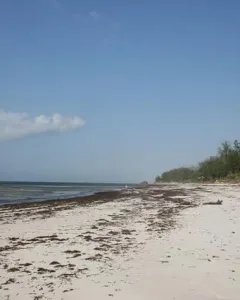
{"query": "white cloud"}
pixel 18 125
pixel 94 15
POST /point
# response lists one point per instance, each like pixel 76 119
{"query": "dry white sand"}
pixel 198 259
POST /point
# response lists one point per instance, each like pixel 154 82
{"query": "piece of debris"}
pixel 43 270
pixel 65 291
pixel 54 263
pixel 13 269
pixel 219 202
pixel 10 280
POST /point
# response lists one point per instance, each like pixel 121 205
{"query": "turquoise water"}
pixel 22 192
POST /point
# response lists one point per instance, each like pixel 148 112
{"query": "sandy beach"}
pixel 155 242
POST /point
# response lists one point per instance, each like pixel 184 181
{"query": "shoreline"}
pixel 88 198
pixel 95 196
pixel 49 208
pixel 107 195
pixel 13 193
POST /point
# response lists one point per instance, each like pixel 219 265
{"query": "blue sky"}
pixel 153 85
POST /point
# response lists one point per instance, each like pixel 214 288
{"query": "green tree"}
pixel 236 146
pixel 224 149
pixel 225 164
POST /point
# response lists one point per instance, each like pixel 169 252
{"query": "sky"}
pixel 115 91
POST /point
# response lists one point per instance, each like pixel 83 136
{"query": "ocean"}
pixel 24 192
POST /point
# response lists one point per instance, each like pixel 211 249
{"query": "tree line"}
pixel 225 165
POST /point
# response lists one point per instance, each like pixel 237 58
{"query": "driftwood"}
pixel 219 202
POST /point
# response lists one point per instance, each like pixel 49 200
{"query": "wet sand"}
pixel 155 242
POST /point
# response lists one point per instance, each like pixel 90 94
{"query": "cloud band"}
pixel 18 125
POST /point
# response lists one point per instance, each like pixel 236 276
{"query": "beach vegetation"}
pixel 224 165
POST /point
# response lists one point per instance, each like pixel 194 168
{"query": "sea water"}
pixel 23 192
